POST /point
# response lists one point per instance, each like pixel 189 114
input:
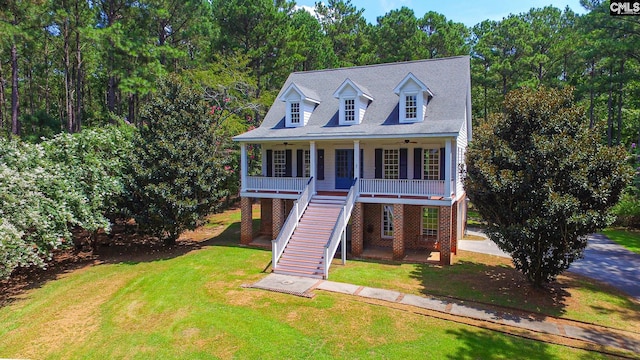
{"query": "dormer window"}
pixel 411 106
pixel 349 110
pixel 354 100
pixel 414 96
pixel 300 103
pixel 295 112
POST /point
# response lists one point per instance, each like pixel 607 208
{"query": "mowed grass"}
pixel 193 306
pixel 630 239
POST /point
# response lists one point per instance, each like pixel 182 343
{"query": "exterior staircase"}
pixel 304 254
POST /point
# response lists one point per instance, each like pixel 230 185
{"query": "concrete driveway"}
pixel 603 260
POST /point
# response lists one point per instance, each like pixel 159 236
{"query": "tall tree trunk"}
pixel 79 74
pixel 1 99
pixel 620 99
pixel 610 110
pixel 68 100
pixel 46 72
pixel 132 108
pixel 591 95
pixel 15 104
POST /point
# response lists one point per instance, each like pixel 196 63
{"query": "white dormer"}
pixel 300 103
pixel 414 96
pixel 354 100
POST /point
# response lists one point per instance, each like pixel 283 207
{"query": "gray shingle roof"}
pixel 447 78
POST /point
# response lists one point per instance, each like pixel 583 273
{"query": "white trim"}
pixel 382 222
pixel 437 230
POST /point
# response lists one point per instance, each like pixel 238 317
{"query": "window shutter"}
pixel 404 153
pixel 442 164
pixel 320 164
pixel 361 163
pixel 378 163
pixel 417 163
pixel 299 163
pixel 287 165
pixel 269 163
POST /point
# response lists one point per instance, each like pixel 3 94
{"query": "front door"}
pixel 344 168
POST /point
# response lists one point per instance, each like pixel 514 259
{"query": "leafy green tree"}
pixel 542 180
pixel 177 170
pixel 397 36
pixel 347 30
pixel 69 181
pixel 443 37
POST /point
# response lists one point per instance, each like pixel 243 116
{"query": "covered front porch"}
pixel 391 168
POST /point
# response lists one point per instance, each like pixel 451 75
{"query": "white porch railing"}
pixel 340 229
pixel 264 183
pixel 407 187
pixel 299 206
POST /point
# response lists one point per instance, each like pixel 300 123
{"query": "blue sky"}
pixel 468 12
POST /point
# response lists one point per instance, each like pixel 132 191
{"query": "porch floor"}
pixel 411 255
pixel 261 241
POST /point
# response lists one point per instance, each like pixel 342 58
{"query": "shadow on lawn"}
pixel 486 345
pixel 118 248
pixel 493 285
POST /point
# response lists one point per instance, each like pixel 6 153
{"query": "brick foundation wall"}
pixel 246 221
pixel 372 227
pixel 357 229
pixel 454 228
pixel 398 231
pixel 266 217
pixel 445 234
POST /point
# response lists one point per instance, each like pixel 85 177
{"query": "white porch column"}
pixel 356 159
pixel 447 169
pixel 313 154
pixel 243 167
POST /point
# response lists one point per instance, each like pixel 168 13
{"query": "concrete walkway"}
pixel 604 260
pixel 463 312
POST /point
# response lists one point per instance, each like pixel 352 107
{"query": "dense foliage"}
pixel 180 169
pixel 70 180
pixel 542 180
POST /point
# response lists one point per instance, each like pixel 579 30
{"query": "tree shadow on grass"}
pixel 117 248
pixel 487 345
pixel 492 285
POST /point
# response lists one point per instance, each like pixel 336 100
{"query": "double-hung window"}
pixel 387 221
pixel 391 163
pixel 430 221
pixel 349 110
pixel 431 164
pixel 411 107
pixel 307 164
pixel 279 163
pixel 295 112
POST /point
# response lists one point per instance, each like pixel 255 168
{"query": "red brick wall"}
pixel 445 232
pixel 398 232
pixel 266 217
pixel 246 221
pixel 373 227
pixel 357 229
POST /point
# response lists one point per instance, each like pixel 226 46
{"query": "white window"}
pixel 411 107
pixel 430 221
pixel 387 221
pixel 307 164
pixel 349 110
pixel 279 163
pixel 391 163
pixel 431 164
pixel 295 112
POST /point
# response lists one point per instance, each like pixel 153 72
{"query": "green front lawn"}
pixel 193 306
pixel 630 239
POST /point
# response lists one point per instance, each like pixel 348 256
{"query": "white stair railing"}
pixel 340 229
pixel 289 226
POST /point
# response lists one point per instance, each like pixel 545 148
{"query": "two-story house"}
pixel 370 153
